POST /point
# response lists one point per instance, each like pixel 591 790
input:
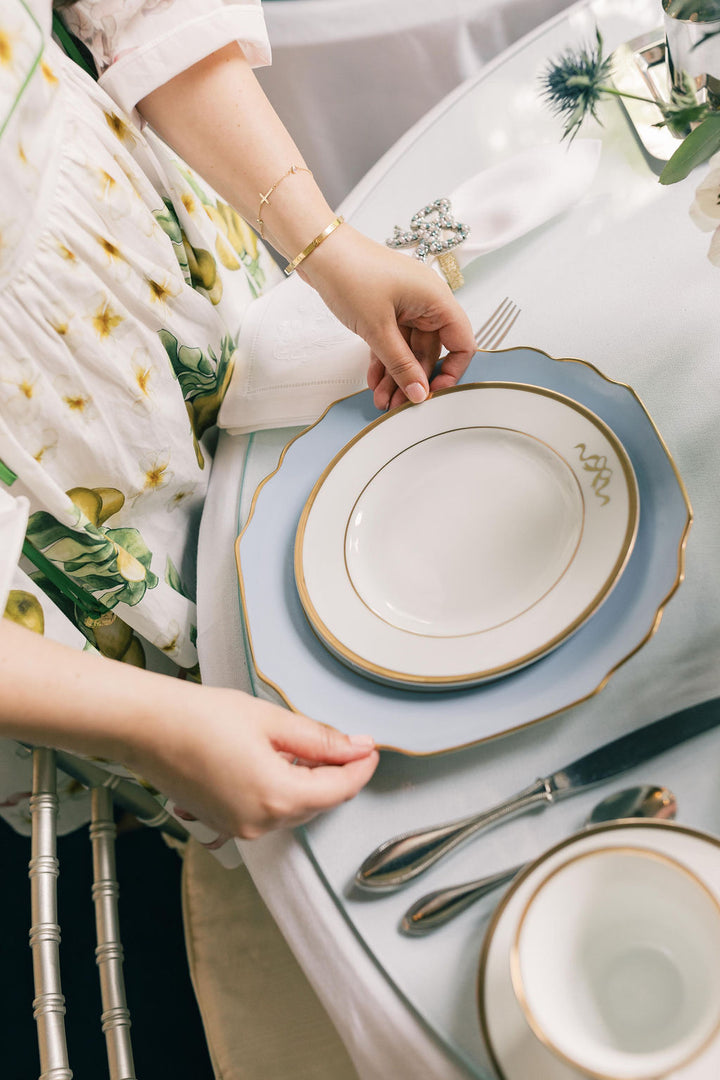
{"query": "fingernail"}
pixel 361 740
pixel 416 392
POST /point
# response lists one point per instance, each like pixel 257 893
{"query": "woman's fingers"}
pixel 454 365
pixel 401 366
pixel 313 790
pixel 376 370
pixel 329 767
pixel 386 387
pixel 401 308
pixel 457 337
pixel 405 354
pixel 425 347
pixel 384 392
pixel 292 733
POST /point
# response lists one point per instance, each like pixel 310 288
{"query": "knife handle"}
pixel 402 858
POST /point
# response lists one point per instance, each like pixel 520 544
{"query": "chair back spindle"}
pixel 49 1003
pixel 109 952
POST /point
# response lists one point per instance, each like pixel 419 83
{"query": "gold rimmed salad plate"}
pixel 456 541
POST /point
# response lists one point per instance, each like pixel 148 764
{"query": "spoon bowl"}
pixel 643 801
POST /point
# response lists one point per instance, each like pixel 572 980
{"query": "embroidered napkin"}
pixel 295 358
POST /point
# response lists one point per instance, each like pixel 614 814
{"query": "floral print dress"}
pixel 123 283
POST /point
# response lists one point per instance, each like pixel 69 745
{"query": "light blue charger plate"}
pixel 288 657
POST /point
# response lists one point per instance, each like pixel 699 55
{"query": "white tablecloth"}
pixel 350 76
pixel 621 281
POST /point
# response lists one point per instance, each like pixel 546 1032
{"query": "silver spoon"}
pixel 439 907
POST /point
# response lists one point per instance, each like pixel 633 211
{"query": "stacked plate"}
pixel 459 540
pixel 506 544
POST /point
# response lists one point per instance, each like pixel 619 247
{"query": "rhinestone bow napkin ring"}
pixel 425 234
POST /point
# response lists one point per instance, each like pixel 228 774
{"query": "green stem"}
pixel 583 80
pixel 75 593
pixel 624 93
pixel 71 47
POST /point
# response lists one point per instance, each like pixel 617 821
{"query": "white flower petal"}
pixel 714 249
pixel 707 224
pixel 707 196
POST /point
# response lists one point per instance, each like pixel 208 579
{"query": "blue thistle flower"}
pixel 574 84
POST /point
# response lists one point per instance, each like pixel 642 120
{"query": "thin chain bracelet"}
pixel 265 199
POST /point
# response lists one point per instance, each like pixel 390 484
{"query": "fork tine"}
pixel 489 326
pixel 502 331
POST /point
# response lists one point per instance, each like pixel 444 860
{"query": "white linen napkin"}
pixel 294 358
pixel 505 202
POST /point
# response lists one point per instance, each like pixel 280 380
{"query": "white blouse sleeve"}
pixel 13 522
pixel 140 44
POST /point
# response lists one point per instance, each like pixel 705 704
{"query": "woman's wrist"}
pixel 341 249
pixel 297 216
pixel 162 732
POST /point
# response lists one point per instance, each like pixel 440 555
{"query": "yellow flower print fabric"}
pixel 123 283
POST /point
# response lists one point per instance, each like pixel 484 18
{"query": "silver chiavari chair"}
pixel 49 1003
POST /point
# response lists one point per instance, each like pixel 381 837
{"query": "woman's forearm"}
pixel 218 119
pixel 53 695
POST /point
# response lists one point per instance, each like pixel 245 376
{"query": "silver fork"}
pixel 498 326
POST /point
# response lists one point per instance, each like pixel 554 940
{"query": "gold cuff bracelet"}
pixel 293 265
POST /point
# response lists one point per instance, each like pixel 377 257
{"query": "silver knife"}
pixel 402 858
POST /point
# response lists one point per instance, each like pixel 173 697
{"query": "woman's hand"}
pixel 218 119
pixel 222 755
pixel 228 761
pixel 401 308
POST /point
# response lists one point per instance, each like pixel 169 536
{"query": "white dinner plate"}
pixel 455 541
pixel 515 1051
